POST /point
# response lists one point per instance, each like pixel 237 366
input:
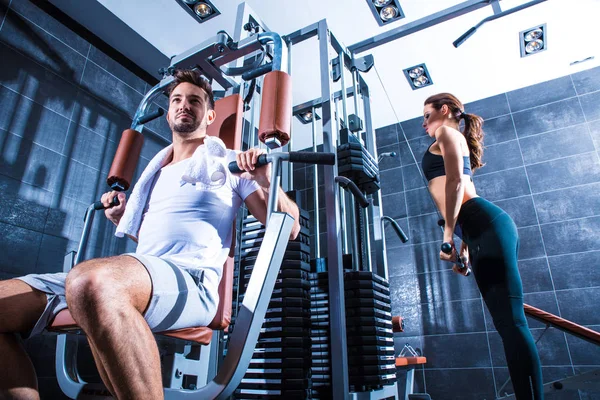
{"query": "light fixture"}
pixel 533 40
pixel 201 10
pixel 306 116
pixel 418 76
pixel 385 11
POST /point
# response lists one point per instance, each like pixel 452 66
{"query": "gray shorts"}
pixel 181 298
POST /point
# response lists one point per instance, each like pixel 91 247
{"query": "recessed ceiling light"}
pixel 201 10
pixel 418 76
pixel 385 11
pixel 533 40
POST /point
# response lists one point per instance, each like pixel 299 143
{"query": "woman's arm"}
pixel 449 142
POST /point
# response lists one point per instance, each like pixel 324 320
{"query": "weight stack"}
pixel 280 366
pixel 320 335
pixel 371 359
pixel 358 165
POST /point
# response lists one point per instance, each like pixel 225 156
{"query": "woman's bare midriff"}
pixel 437 188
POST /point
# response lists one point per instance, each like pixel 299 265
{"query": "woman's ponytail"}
pixel 474 134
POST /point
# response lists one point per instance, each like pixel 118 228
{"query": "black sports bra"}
pixel 433 165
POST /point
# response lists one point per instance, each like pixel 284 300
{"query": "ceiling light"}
pixel 306 117
pixel 533 40
pixel 388 12
pixel 381 3
pixel 201 10
pixel 418 76
pixel 385 11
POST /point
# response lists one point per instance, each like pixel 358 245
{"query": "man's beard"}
pixel 184 128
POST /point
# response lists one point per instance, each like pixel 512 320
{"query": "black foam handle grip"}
pixel 99 206
pixel 464 37
pixel 150 116
pixel 303 157
pixel 447 248
pixel 234 169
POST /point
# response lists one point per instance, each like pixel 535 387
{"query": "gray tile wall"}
pixel 64 104
pixel 542 167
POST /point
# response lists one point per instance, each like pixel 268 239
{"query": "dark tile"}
pixel 456 351
pixel 86 146
pixel 548 117
pixel 572 236
pixel 552 348
pixel 577 270
pixel 446 286
pixel 590 105
pixel 299 177
pixel 583 352
pixel 400 260
pixel 501 156
pixel 549 374
pixel 411 316
pixel 35 82
pixel 394 205
pixel 544 301
pixel 595 133
pixel 17 189
pixel 389 161
pixel 159 128
pixel 460 384
pixel 110 89
pixel 423 228
pixel 45 21
pixel 101 116
pixel 530 243
pixel 19 248
pixel 564 172
pixel 31 163
pixel 24 118
pixel 570 203
pixel 498 130
pixel 151 147
pixel 587 81
pixel 52 254
pixel 413 128
pixel 449 317
pixel 83 182
pixel 387 135
pixel 21 212
pixel 426 257
pixel 115 68
pixel 404 290
pixel 535 275
pixel 520 209
pixel 419 202
pixel 561 143
pixel 412 177
pixel 489 107
pixel 66 220
pixel 541 93
pixel 580 305
pixel 418 147
pixel 391 181
pixel 503 184
pixel 42 47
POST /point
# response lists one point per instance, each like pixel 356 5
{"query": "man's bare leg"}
pixel 107 298
pixel 20 308
pixel 102 369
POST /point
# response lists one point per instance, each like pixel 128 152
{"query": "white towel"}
pixel 207 170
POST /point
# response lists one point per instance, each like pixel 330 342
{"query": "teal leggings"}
pixel 493 246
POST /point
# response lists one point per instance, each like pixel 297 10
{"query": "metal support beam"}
pixel 337 304
pixel 418 25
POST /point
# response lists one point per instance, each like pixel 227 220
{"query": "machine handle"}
pixel 99 206
pixel 144 119
pixel 301 157
pixel 447 248
pixel 351 186
pixel 464 37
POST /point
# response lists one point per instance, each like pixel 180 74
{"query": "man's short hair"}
pixel 195 78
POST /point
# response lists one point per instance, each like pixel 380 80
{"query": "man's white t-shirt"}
pixel 188 227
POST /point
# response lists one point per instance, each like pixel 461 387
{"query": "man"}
pixel 184 239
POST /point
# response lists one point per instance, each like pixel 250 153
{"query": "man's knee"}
pixel 88 286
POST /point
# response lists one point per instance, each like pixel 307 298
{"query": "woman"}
pixel 490 237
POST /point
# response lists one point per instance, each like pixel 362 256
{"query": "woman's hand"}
pixel 113 213
pixel 464 256
pixel 451 256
